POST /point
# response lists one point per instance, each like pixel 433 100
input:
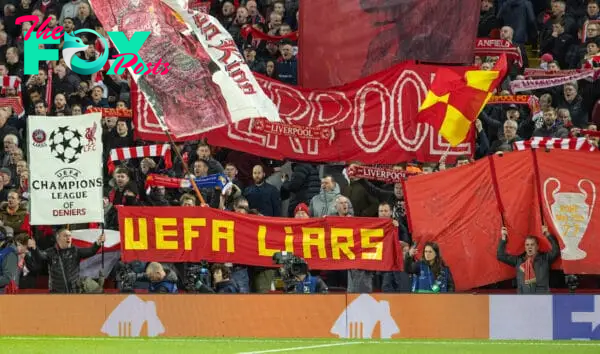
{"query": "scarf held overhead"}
pixel 496 47
pixel 217 180
pixel 294 130
pixel 387 175
pixel 138 152
pixel 530 84
pixel 581 144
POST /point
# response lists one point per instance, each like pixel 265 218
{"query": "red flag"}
pixel 458 209
pixel 569 185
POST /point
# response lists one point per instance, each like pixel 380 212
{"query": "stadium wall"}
pixel 459 316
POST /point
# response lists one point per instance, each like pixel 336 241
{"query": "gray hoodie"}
pixel 323 203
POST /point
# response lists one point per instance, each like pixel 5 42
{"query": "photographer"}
pixel 310 284
pixel 163 279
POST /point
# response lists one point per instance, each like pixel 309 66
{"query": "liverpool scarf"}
pixel 581 144
pixel 218 180
pixel 138 152
pixel 256 34
pixel 496 47
pixel 387 175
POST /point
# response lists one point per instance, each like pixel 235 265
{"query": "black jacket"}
pixel 541 265
pixel 304 183
pixel 63 265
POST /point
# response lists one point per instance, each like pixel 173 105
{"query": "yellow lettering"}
pixel 289 239
pixel 366 236
pixel 308 241
pixel 130 242
pixel 161 233
pixel 338 245
pixel 218 235
pixel 188 231
pixel 262 243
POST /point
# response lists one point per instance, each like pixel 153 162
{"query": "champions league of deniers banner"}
pixel 65 155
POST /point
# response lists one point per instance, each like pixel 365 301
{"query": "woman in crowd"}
pixel 430 273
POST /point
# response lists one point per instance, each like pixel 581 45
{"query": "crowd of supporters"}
pixel 565 33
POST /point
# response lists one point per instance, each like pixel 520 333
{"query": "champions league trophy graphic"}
pixel 571 215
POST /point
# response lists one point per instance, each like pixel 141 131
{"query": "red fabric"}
pixel 15 102
pixel 138 152
pixel 369 36
pixel 320 241
pixel 528 270
pixel 11 288
pixel 200 5
pixel 370 125
pixel 458 210
pixel 576 173
pixel 49 89
pixel 497 47
pixel 256 34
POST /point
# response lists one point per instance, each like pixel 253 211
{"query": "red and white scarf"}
pixel 531 100
pixel 581 144
pixel 10 82
pixel 138 152
pixel 495 47
pixel 535 84
pixel 529 271
pixel 15 103
pixel 387 175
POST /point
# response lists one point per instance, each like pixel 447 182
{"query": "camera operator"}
pixel 296 276
pixel 163 279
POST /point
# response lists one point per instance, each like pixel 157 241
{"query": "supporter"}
pixel 301 211
pixel 323 204
pixel 510 136
pixel 231 172
pixel 343 207
pixel 226 16
pixel 122 136
pixel 255 16
pixel 60 107
pixel 63 261
pixel 254 64
pixel 363 203
pixel 125 191
pixel 68 27
pixel 80 96
pixel 11 142
pixel 396 199
pixel 13 63
pixel 97 97
pixel 532 266
pixel 487 19
pixel 558 43
pixel 592 13
pixel 564 118
pixel 70 9
pixel 64 81
pixel 303 185
pixel 551 129
pixel 221 280
pixel 545 104
pixel 24 8
pixel 271 70
pixel 275 21
pixel 38 81
pixel 431 274
pixel 211 195
pixel 592 47
pixel 482 143
pixel 41 109
pixel 13 211
pixel 397 281
pixel 14 261
pixel 44 6
pixel 163 280
pixel 518 14
pixel 286 65
pixel 573 101
pixel 76 110
pixel 203 152
pixel 263 196
pixel 83 19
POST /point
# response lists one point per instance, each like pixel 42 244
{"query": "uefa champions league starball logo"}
pixel 65 144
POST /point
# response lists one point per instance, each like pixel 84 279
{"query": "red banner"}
pixel 180 234
pixel 369 36
pixel 569 184
pixel 374 121
pixel 466 205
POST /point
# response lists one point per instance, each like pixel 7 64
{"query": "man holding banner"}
pixel 533 267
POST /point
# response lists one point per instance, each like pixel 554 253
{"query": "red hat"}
pixel 301 207
pixel 547 58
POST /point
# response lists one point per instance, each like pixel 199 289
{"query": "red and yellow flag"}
pixel 454 101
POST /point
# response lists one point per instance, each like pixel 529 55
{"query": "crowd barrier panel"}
pixel 377 316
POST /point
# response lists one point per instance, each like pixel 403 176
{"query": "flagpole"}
pixel 174 146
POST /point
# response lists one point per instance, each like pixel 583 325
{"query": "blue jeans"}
pixel 240 277
pixel 395 282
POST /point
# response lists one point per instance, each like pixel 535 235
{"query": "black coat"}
pixel 63 265
pixel 304 183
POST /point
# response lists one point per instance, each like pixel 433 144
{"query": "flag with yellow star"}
pixel 454 101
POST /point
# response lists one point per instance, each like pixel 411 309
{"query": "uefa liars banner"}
pixel 65 177
pixel 373 121
pixel 208 81
pixel 370 36
pixel 467 203
pixel 177 234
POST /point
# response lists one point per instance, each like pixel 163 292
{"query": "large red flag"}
pixel 369 36
pixel 569 183
pixel 458 209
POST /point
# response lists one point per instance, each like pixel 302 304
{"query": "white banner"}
pixel 65 161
